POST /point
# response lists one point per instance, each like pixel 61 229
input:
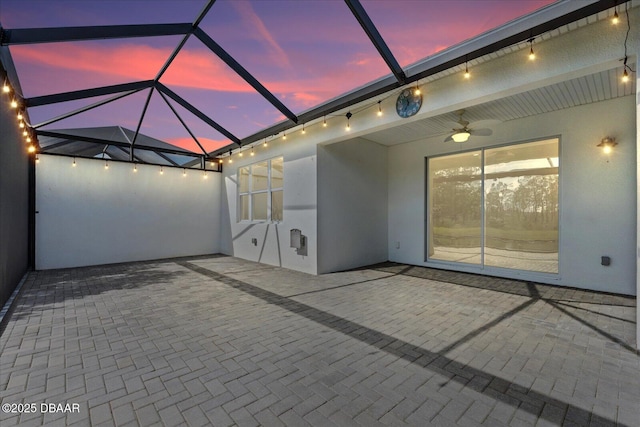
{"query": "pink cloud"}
pixel 189 144
pixel 264 36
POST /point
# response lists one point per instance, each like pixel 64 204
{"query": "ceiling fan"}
pixel 462 133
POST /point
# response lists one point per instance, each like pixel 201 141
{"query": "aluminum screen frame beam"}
pixel 242 72
pixel 87 93
pixel 374 35
pixel 208 120
pixel 71 34
pixel 100 141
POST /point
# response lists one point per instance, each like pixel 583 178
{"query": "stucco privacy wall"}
pixel 14 203
pixel 352 205
pixel 597 193
pixel 88 215
pixel 299 209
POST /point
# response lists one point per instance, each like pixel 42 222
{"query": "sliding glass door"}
pixel 496 207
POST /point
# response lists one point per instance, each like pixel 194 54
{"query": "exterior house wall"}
pixel 597 193
pixel 352 205
pixel 88 215
pixel 299 209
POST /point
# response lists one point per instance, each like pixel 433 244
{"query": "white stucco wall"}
pixel 352 205
pixel 88 215
pixel 597 193
pixel 300 209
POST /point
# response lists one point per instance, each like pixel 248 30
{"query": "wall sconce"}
pixel 607 144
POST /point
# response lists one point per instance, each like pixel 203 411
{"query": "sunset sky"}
pixel 304 52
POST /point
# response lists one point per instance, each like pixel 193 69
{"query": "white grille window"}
pixel 260 191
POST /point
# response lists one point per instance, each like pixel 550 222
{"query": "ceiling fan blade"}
pixel 481 132
pixel 449 138
pixel 485 123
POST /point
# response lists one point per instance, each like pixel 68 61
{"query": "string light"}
pixel 615 18
pixel 532 55
pixel 379 109
pixel 184 172
pixel 230 159
pixel 6 88
pixel 417 91
pixel 25 133
pixel 467 74
pixel 29 139
pixel 324 121
pixel 106 164
pixel 32 149
pixel 240 154
pixel 625 75
pixel 14 103
pixel 37 159
pixel 348 115
pixel 205 175
pixel 284 135
pixel 21 125
pixel 265 145
pixel 20 116
pixel 220 160
pixel 303 130
pixel 135 167
pixel 74 162
pixel 252 153
pixel 161 170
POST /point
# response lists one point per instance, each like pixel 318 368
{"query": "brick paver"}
pixel 223 341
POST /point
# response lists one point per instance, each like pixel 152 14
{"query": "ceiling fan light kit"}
pixel 460 136
pixel 463 133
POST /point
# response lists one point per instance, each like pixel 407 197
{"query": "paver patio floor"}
pixel 222 341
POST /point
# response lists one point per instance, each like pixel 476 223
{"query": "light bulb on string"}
pixel 74 162
pixel 241 153
pixel 324 121
pixel 184 172
pixel 106 164
pixel 14 103
pixel 32 149
pixel 284 136
pixel 303 129
pixel 25 133
pixel 467 74
pixel 417 90
pixel 230 159
pixel 625 76
pixel 161 170
pixel 20 116
pixel 6 88
pixel 532 54
pixel 205 175
pixel 265 145
pixel 615 18
pixel 21 125
pixel 348 115
pixel 379 109
pixel 37 159
pixel 252 152
pixel 135 167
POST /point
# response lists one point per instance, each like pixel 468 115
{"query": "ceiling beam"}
pixel 208 120
pixel 242 72
pixel 69 34
pixel 87 93
pixel 374 35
